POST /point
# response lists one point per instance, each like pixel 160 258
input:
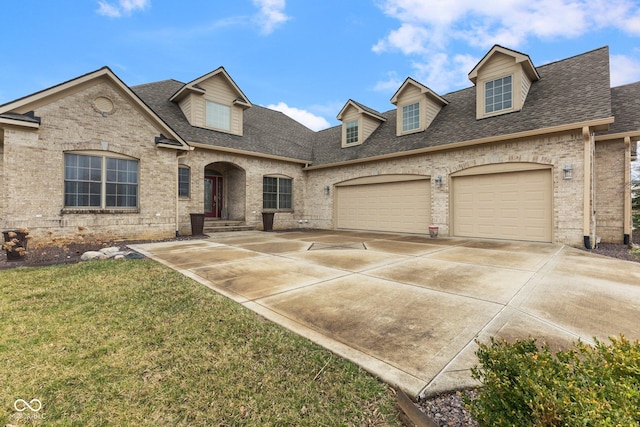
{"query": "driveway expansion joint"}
pixel 409 309
pixel 318 246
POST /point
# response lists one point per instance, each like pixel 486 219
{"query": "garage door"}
pixel 394 206
pixel 512 205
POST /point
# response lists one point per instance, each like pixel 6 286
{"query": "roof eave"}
pixel 23 103
pixel 19 123
pixel 425 90
pixel 249 153
pixel 592 124
pixel 519 57
pixel 193 86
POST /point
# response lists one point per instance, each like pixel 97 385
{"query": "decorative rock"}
pixel 91 255
pixel 110 253
pixel 111 250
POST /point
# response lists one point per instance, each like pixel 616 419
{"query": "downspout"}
pixel 177 192
pixel 627 191
pixel 588 187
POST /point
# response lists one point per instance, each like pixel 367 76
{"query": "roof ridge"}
pixel 157 82
pixel 606 47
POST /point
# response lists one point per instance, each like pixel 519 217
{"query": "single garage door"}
pixel 511 205
pixel 403 206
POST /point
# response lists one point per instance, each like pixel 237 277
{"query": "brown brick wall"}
pixel 34 193
pixel 242 180
pixel 33 169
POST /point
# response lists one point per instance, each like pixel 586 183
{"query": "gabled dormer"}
pixel 358 123
pixel 503 79
pixel 417 107
pixel 213 101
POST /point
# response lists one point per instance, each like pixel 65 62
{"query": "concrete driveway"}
pixel 408 308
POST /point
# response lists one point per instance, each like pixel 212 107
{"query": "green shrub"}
pixel 526 385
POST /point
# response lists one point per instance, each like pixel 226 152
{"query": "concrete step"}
pixel 218 226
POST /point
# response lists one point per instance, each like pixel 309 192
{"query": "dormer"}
pixel 358 123
pixel 417 107
pixel 213 101
pixel 503 79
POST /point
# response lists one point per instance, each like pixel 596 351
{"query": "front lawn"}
pixel 135 343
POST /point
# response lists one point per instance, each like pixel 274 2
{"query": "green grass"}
pixel 134 343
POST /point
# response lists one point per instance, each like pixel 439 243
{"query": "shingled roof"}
pixel 265 131
pixel 573 90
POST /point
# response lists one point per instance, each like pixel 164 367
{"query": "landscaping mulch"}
pixel 70 252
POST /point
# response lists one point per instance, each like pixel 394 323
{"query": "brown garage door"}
pixel 394 206
pixel 512 205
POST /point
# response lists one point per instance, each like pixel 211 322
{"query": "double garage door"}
pixel 512 205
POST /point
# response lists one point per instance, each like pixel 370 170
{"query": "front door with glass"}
pixel 213 196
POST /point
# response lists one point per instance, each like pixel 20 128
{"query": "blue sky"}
pixel 304 57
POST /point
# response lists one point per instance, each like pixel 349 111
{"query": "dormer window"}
pixel 411 117
pixel 358 123
pixel 352 132
pixel 417 106
pixel 218 116
pixel 502 79
pixel 213 101
pixel 498 95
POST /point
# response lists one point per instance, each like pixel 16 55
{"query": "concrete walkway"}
pixel 408 308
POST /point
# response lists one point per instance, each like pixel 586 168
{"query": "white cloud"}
pixel 308 119
pixel 122 7
pixel 409 38
pixel 427 28
pixel 271 14
pixel 390 85
pixel 624 69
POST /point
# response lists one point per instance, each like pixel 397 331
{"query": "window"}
pixel 352 132
pixel 497 95
pixel 184 181
pixel 100 181
pixel 277 193
pixel 411 117
pixel 218 116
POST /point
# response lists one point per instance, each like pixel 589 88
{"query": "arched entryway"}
pixel 224 191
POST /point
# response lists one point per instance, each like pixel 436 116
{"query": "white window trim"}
pixel 483 98
pixel 103 208
pixel 419 127
pixel 346 137
pixel 206 115
pixel 278 208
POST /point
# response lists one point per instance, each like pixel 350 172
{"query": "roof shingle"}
pixel 572 90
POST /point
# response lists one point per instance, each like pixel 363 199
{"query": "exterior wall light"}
pixel 567 172
pixel 438 181
pixel 327 190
